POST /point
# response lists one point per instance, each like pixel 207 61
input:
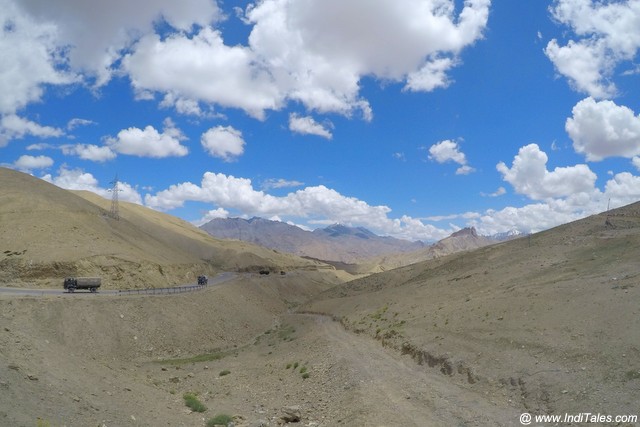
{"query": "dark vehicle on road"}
pixel 71 284
pixel 202 280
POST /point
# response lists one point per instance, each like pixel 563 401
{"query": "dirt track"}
pixel 394 390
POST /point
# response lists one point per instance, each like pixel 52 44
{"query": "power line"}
pixel 115 209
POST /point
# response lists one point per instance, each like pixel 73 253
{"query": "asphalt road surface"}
pixel 217 280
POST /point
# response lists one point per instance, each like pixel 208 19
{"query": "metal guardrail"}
pixel 162 291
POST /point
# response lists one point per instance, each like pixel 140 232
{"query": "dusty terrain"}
pixel 85 360
pixel 47 233
pixel 546 324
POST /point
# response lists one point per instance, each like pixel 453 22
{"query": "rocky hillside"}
pixel 463 240
pixel 545 324
pixel 335 243
pixel 47 233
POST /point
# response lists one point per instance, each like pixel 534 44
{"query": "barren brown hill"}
pixel 47 233
pixel 466 239
pixel 546 324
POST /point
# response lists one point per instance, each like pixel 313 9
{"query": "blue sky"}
pixel 411 118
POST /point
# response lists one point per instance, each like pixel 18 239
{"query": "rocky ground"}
pixel 547 324
pixel 87 360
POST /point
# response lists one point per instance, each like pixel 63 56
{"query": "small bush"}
pixel 305 375
pixel 288 365
pixel 191 400
pixel 220 419
pixel 295 365
pixel 632 375
pixel 225 372
pixel 303 369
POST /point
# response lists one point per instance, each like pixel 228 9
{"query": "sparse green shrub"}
pixel 225 372
pixel 220 419
pixel 632 375
pixel 305 375
pixel 303 369
pixel 288 365
pixel 295 365
pixel 191 400
pixel 286 332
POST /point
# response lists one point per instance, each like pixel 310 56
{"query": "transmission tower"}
pixel 115 210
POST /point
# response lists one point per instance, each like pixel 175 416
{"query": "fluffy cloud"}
pixel 604 129
pixel 307 126
pixel 77 179
pixel 610 34
pixel 529 176
pixel 529 218
pixel 202 67
pixel 319 60
pixel 212 214
pixel 148 142
pixel 28 163
pixel 299 51
pixel 14 127
pixel 224 142
pixel 623 188
pixel 317 203
pixel 31 58
pixel 98 31
pixel 91 152
pixel 449 151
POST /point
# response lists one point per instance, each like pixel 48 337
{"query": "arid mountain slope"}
pixel 334 243
pixel 466 239
pixel 47 233
pixel 545 324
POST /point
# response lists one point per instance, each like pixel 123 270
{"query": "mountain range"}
pixel 341 244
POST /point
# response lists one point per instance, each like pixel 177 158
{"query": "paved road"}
pixel 217 280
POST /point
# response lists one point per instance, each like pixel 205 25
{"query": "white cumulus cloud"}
pixel 212 214
pixel 29 163
pixel 148 142
pixel 308 126
pixel 97 32
pixel 317 203
pixel 77 179
pixel 92 152
pixel 529 176
pixel 314 52
pixel 609 35
pixel 224 142
pixel 15 127
pixel 449 151
pixel 202 67
pixel 31 58
pixel 603 129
